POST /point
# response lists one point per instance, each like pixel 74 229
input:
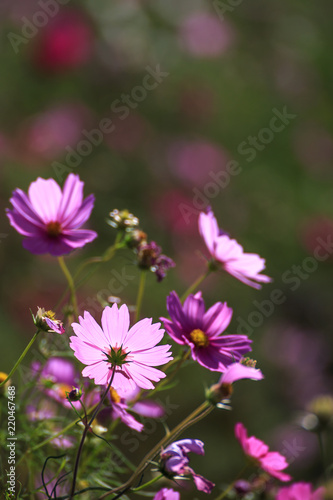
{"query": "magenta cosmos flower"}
pixel 300 491
pixel 271 462
pixel 246 267
pixel 133 352
pixel 201 330
pixel 49 218
pixel 174 462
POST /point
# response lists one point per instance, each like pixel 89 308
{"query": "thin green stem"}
pixel 71 284
pixel 18 362
pixel 85 432
pixel 198 414
pixel 140 294
pixel 60 433
pixel 108 254
pixel 195 285
pixel 149 483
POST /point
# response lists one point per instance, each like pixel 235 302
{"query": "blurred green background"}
pixel 223 72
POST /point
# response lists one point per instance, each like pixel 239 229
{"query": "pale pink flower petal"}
pixel 96 347
pixel 246 267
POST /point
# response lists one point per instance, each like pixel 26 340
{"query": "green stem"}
pixel 108 254
pixel 149 483
pixel 18 362
pixel 195 285
pixel 198 414
pixel 71 284
pixel 140 295
pixel 85 432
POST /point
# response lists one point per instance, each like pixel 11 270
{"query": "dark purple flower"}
pixel 192 325
pixel 49 218
pixel 174 462
pixel 151 258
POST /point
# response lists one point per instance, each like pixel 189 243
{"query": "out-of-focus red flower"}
pixel 65 43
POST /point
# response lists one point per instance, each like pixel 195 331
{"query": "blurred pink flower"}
pixel 166 209
pixel 49 218
pixel 300 491
pixel 226 251
pixel 65 43
pixel 190 324
pixel 271 462
pixel 204 35
pixel 47 134
pixel 167 494
pixel 133 352
pixel 121 404
pixel 194 161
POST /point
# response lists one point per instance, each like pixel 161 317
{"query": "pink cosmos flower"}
pixel 226 251
pixel 223 389
pixel 49 218
pixel 133 352
pixel 174 462
pixel 271 462
pixel 300 491
pixel 167 494
pixel 238 371
pixel 192 325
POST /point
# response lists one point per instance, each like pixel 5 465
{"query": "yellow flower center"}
pixel 199 338
pixel 53 229
pixel 115 398
pixel 3 376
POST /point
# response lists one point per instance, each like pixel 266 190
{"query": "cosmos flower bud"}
pixel 46 321
pixel 122 219
pixel 223 389
pixel 135 238
pixel 150 258
pixel 75 394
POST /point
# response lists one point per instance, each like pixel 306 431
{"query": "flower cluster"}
pixel 121 357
